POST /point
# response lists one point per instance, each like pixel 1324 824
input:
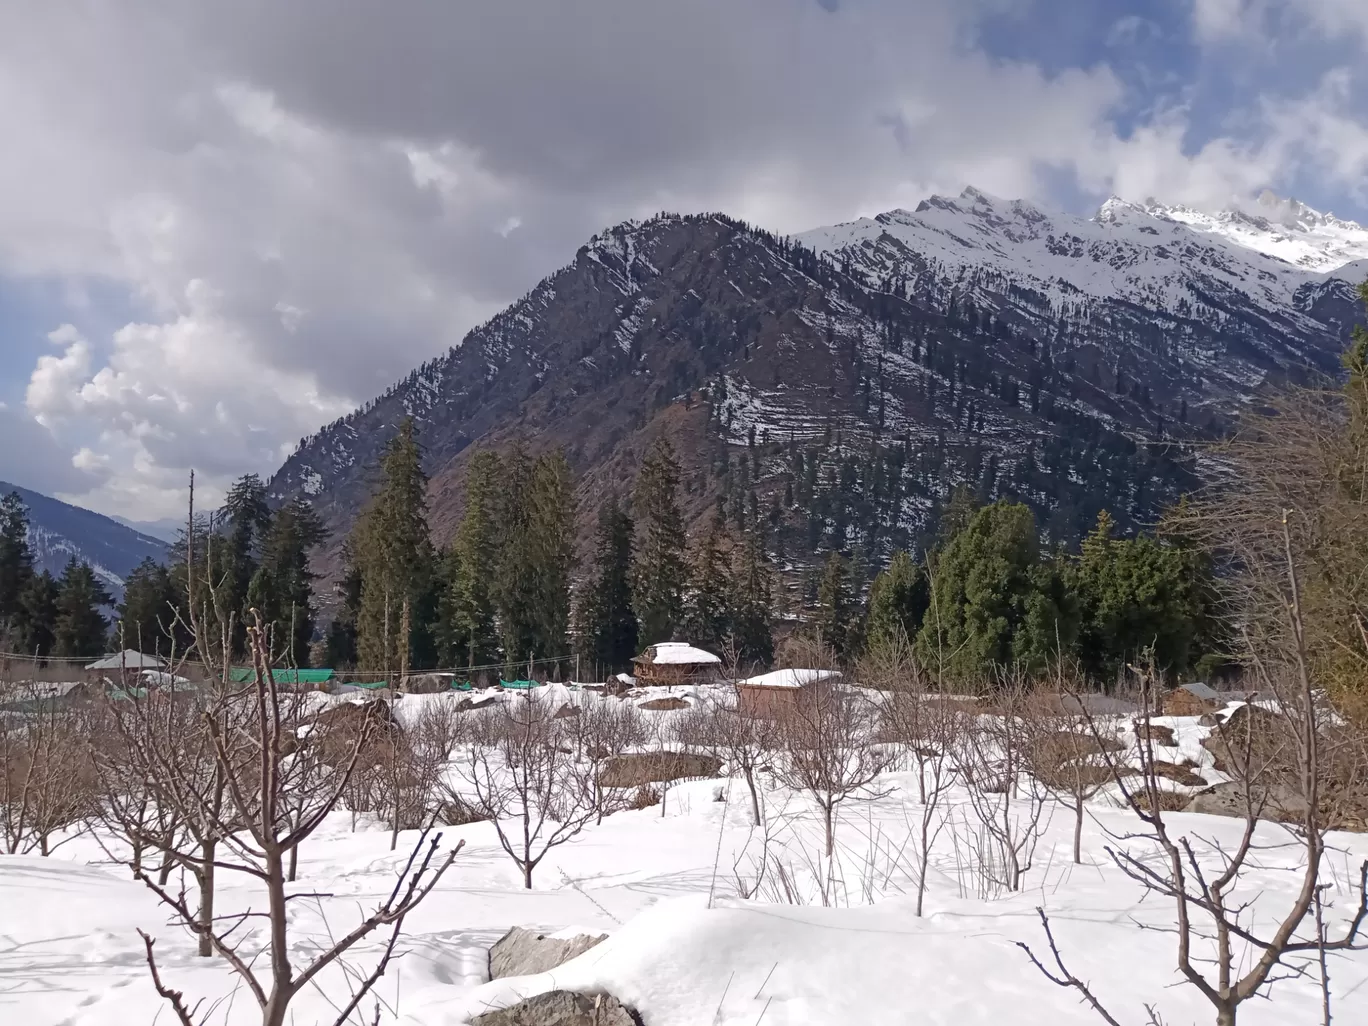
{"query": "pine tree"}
pixel 282 588
pixel 339 641
pixel 709 613
pixel 518 575
pixel 752 603
pixel 607 623
pixel 16 566
pixel 661 569
pixel 995 604
pixel 247 517
pixel 80 630
pixel 472 565
pixel 551 523
pixel 897 603
pixel 38 614
pixel 834 604
pixel 393 555
pixel 148 615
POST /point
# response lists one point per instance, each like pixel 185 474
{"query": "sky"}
pixel 225 223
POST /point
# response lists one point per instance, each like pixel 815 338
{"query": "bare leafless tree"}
pixel 1008 802
pixel 830 750
pixel 523 774
pixel 743 741
pixel 47 788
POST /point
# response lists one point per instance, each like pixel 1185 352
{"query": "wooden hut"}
pixel 1192 700
pixel 775 695
pixel 673 663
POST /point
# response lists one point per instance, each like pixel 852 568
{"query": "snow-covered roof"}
pixel 128 660
pixel 1199 690
pixel 788 678
pixel 679 653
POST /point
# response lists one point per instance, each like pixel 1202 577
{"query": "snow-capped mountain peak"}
pixel 1285 228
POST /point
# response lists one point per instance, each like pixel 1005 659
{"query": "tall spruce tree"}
pixel 661 569
pixel 709 608
pixel 393 554
pixel 16 567
pixel 752 603
pixel 148 615
pixel 551 538
pixel 81 629
pixel 518 575
pixel 897 603
pixel 471 636
pixel 835 604
pixel 607 626
pixel 282 588
pixel 38 614
pixel 246 517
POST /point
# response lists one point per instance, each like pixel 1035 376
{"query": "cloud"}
pixel 303 201
pixel 32 458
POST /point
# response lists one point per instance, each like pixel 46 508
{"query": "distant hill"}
pixel 58 531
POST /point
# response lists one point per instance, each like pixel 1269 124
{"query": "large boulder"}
pixel 638 768
pixel 522 952
pixel 1276 803
pixel 562 1008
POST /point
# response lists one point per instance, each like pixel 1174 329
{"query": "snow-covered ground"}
pixel 684 949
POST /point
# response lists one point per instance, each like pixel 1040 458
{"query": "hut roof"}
pixel 1199 690
pixel 788 678
pixel 128 660
pixel 678 653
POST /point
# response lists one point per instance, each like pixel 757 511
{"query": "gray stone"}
pixel 522 952
pixel 562 1008
pixel 1280 804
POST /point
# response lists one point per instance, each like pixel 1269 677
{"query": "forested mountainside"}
pixel 58 531
pixel 839 384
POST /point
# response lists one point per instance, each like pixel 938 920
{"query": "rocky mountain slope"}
pixel 58 531
pixel 836 386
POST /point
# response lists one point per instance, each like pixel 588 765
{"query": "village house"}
pixel 673 663
pixel 1192 700
pixel 778 693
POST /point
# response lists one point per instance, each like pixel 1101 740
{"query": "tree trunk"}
pixel 754 795
pixel 1225 1014
pixel 208 850
pixel 830 830
pixel 1078 831
pixel 282 974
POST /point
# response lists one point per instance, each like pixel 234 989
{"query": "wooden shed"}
pixel 774 695
pixel 1192 700
pixel 672 663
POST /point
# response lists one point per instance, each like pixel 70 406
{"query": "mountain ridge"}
pixel 973 340
pixel 58 530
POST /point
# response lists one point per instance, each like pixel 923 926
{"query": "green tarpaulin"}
pixel 521 685
pixel 464 685
pixel 247 675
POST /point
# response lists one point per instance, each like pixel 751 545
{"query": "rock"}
pixel 1179 773
pixel 639 768
pixel 522 952
pixel 669 703
pixel 1280 804
pixel 562 1008
pixel 1155 732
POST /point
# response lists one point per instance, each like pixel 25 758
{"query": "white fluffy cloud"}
pixel 303 201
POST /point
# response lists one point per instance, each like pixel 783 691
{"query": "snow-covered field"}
pixel 684 949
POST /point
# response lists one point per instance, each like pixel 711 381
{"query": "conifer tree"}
pixel 897 603
pixel 834 604
pixel 752 603
pixel 607 623
pixel 551 538
pixel 246 517
pixel 518 575
pixel 709 608
pixel 16 566
pixel 393 556
pixel 995 604
pixel 282 588
pixel 661 569
pixel 147 616
pixel 339 642
pixel 472 566
pixel 38 614
pixel 81 629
